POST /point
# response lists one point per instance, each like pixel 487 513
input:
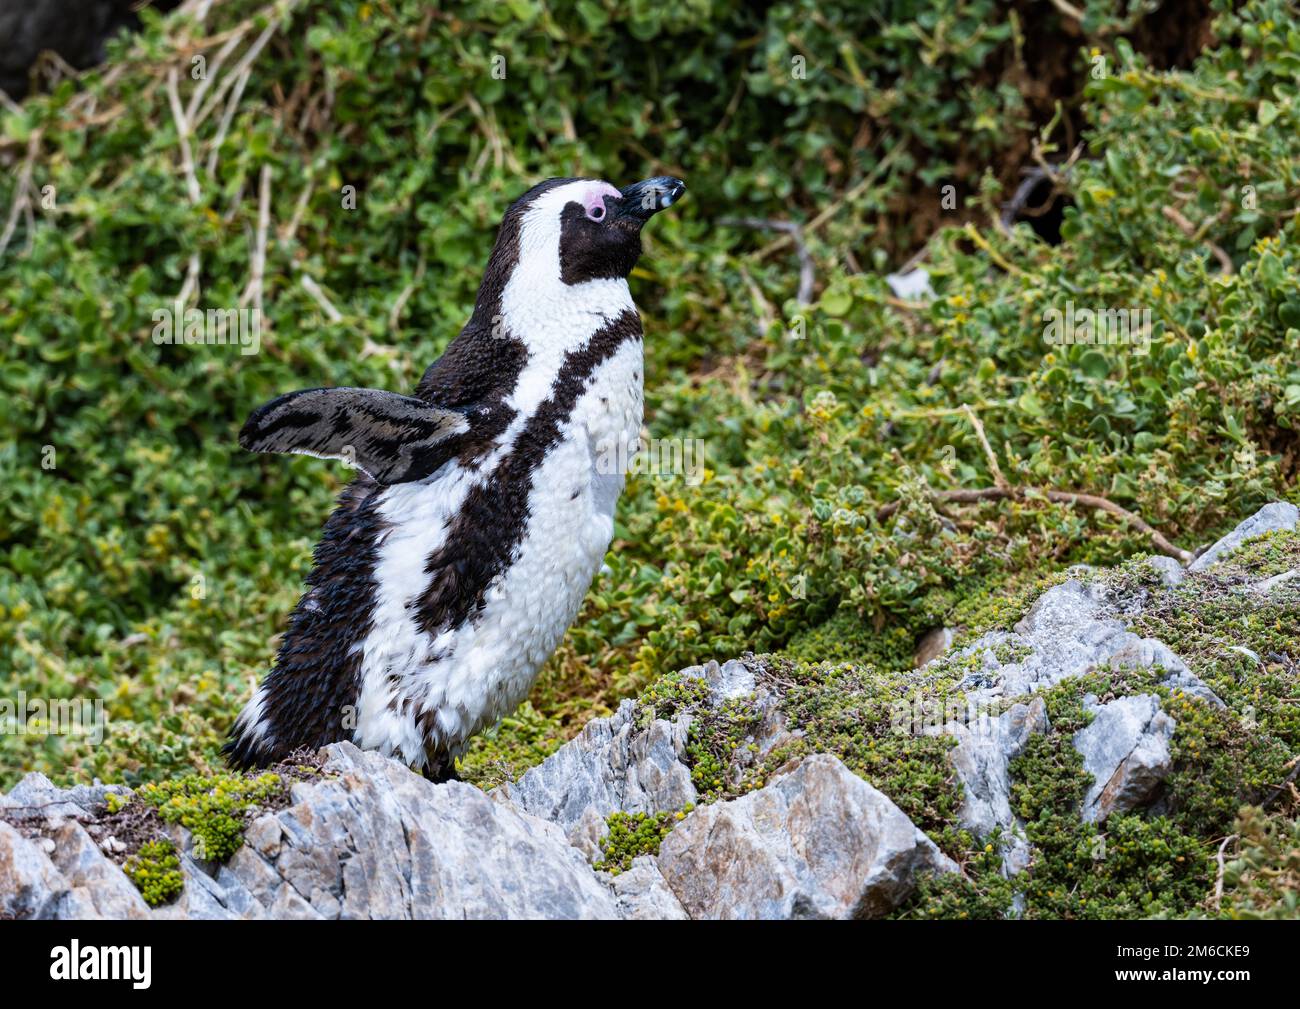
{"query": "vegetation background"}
pixel 153 563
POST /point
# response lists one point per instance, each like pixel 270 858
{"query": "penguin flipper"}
pixel 391 437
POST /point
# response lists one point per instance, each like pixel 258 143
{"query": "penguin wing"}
pixel 394 438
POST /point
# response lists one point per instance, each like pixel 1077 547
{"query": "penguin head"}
pixel 588 228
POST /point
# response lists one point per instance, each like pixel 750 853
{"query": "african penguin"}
pixel 455 562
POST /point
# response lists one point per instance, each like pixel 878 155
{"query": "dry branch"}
pixel 807 273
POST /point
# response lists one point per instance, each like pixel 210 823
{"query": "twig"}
pixel 312 288
pixel 866 182
pixel 1069 10
pixel 253 292
pixel 395 313
pixel 1074 498
pixel 227 114
pixel 977 424
pixel 807 273
pixel 291 230
pixel 766 315
pixel 973 234
pixel 1218 879
pixel 210 74
pixel 1192 232
pixel 245 62
pixel 22 190
pixel 1295 769
pixel 191 279
pixel 183 135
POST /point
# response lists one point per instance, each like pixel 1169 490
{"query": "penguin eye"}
pixel 596 213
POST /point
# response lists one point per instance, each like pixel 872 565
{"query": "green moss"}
pixel 1130 868
pixel 847 637
pixel 978 891
pixel 634 834
pixel 520 741
pixel 214 809
pixel 155 869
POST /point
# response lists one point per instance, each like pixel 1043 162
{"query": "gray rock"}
pixel 609 767
pixel 1280 515
pixel 1170 571
pixel 366 839
pixel 984 751
pixel 30 885
pixel 1267 585
pixel 1126 750
pixel 816 842
pixel 643 895
pixel 933 643
pixel 374 840
pixel 85 867
pixel 35 797
pixel 727 682
pixel 1071 629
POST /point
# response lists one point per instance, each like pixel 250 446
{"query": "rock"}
pixel 30 885
pixel 371 839
pixel 984 751
pixel 84 866
pixel 933 643
pixel 366 839
pixel 1269 584
pixel 727 682
pixel 643 895
pixel 1126 750
pixel 1280 515
pixel 609 767
pixel 816 842
pixel 1071 629
pixel 35 797
pixel 1170 571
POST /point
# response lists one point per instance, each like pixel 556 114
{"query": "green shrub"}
pixel 154 563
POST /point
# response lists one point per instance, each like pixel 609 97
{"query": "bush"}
pixel 148 562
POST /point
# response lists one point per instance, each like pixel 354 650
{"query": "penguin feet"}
pixel 440 770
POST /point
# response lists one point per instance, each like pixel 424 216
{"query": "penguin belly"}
pixel 424 695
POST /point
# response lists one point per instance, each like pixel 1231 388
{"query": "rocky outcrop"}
pixel 817 842
pixel 982 758
pixel 370 839
pixel 1126 750
pixel 1073 628
pixel 610 767
pixel 1275 517
pixel 366 837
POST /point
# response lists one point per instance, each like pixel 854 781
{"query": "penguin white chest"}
pixel 420 689
pixel 569 526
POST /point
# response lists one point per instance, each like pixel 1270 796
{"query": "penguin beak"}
pixel 642 200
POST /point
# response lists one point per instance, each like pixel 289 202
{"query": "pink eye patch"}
pixel 594 200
